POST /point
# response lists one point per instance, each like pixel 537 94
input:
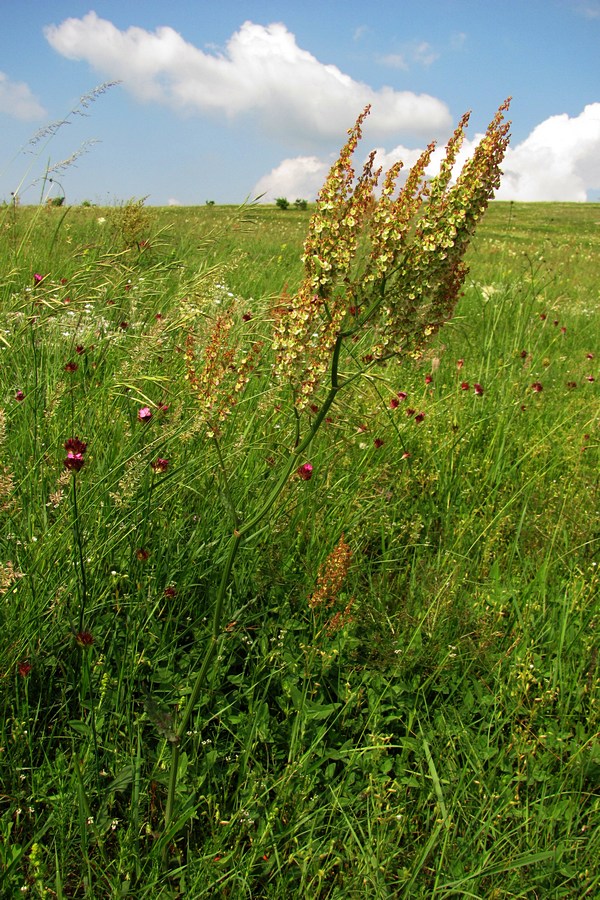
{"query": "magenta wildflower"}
pixel 478 389
pixel 144 414
pixel 19 396
pixel 305 471
pixel 160 464
pixel 401 395
pixel 37 278
pixel 75 451
pixel 419 417
pixel 394 403
pixel 537 387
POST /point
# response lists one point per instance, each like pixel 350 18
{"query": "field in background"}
pixel 438 741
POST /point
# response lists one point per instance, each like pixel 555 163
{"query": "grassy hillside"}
pixel 405 699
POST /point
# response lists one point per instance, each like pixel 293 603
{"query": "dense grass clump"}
pixel 403 700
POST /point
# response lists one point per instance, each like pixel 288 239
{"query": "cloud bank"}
pixel 262 72
pixel 558 161
pixel 16 100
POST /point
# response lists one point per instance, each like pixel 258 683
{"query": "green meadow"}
pixel 402 696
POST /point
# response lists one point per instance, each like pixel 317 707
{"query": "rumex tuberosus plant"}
pixel 382 274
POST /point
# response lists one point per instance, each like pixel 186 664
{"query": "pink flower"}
pixel 75 451
pixel 24 668
pixel 537 387
pixel 19 396
pixel 478 389
pixel 37 278
pixel 144 414
pixel 305 471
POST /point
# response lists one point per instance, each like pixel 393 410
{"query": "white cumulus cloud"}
pixel 297 179
pixel 17 100
pixel 558 161
pixel 261 72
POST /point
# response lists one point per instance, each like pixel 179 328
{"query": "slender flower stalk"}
pixel 383 275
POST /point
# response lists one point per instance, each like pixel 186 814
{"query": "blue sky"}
pixel 225 100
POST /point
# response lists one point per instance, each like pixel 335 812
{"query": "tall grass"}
pixel 431 730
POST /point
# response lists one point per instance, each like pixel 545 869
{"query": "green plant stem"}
pixel 78 548
pixel 234 545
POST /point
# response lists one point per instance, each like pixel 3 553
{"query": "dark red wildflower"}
pixel 305 471
pixel 401 395
pixel 543 317
pixel 478 389
pixel 123 326
pixel 590 378
pixel 75 450
pixel 84 639
pixel 419 417
pixel 37 278
pixel 142 554
pixel 465 386
pixel 377 443
pixel 523 354
pixel 394 403
pixel 170 592
pixel 79 349
pixel 71 367
pixel 24 668
pixel 537 387
pixel 246 317
pixel 19 396
pixel 589 355
pixel 160 464
pixel 571 385
pixel 428 379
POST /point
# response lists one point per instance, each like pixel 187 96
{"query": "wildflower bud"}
pixel 19 396
pixel 305 471
pixel 537 387
pixel 478 389
pixel 160 464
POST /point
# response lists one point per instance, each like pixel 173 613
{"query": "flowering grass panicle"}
pixel 385 271
pixel 223 373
